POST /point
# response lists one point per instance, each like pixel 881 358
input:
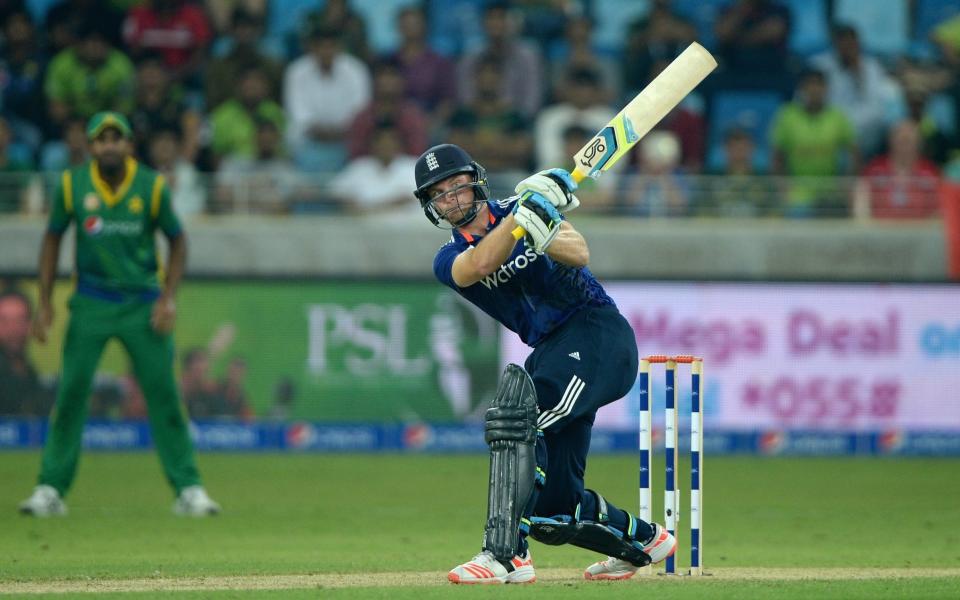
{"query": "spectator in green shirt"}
pixel 813 141
pixel 947 37
pixel 234 121
pixel 89 77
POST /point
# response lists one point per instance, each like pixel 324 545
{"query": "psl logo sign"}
pixel 364 340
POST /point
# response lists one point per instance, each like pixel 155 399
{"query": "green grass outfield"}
pixel 390 526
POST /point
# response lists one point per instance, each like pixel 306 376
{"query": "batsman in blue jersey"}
pixel 584 356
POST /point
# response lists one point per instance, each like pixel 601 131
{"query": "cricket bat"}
pixel 641 114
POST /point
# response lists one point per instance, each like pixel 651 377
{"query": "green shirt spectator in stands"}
pixel 813 140
pixel 89 77
pixel 234 121
pixel 947 37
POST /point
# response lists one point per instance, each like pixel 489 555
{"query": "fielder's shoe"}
pixel 193 501
pixel 484 568
pixel 45 501
pixel 658 548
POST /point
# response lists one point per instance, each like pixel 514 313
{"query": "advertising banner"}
pixel 821 357
pixel 832 358
pixel 304 437
pixel 337 351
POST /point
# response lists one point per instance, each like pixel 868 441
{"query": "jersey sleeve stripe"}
pixel 67 191
pixel 155 196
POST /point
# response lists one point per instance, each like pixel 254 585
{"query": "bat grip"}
pixel 578 176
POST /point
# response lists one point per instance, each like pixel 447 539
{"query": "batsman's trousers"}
pixel 587 362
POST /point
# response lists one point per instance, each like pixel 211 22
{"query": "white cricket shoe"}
pixel 659 548
pixel 193 501
pixel 485 568
pixel 45 501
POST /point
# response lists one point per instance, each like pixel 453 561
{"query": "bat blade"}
pixel 642 113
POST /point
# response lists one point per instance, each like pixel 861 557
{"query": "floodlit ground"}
pixel 375 526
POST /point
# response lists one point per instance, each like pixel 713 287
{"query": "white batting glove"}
pixel 556 185
pixel 539 219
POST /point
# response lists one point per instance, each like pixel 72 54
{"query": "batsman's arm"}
pixel 494 249
pixel 569 247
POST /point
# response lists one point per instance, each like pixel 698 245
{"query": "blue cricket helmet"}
pixel 441 162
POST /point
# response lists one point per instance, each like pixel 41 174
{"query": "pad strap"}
pixel 592 536
pixel 603 516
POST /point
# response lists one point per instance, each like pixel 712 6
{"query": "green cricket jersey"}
pixel 116 250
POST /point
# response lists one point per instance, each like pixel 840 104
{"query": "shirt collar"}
pixel 109 196
pixel 469 237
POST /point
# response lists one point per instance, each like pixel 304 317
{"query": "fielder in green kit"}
pixel 117 205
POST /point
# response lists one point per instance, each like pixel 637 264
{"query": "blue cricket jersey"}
pixel 531 294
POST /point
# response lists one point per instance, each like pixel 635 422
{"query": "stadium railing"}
pixel 640 196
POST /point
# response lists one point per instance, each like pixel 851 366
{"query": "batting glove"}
pixel 556 185
pixel 539 218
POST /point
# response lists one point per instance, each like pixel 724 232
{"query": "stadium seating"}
pixel 703 14
pixel 285 20
pixel 456 26
pixel 381 19
pixel 750 110
pixel 38 9
pixel 929 14
pixel 809 31
pixel 883 25
pixel 612 19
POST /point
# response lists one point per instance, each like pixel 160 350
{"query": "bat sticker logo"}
pixel 596 147
pixel 628 129
pixel 598 151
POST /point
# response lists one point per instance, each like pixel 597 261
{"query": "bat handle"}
pixel 578 176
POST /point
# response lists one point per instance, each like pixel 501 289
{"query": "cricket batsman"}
pixel 584 356
pixel 117 205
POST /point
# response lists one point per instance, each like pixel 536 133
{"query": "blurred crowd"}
pixel 316 106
